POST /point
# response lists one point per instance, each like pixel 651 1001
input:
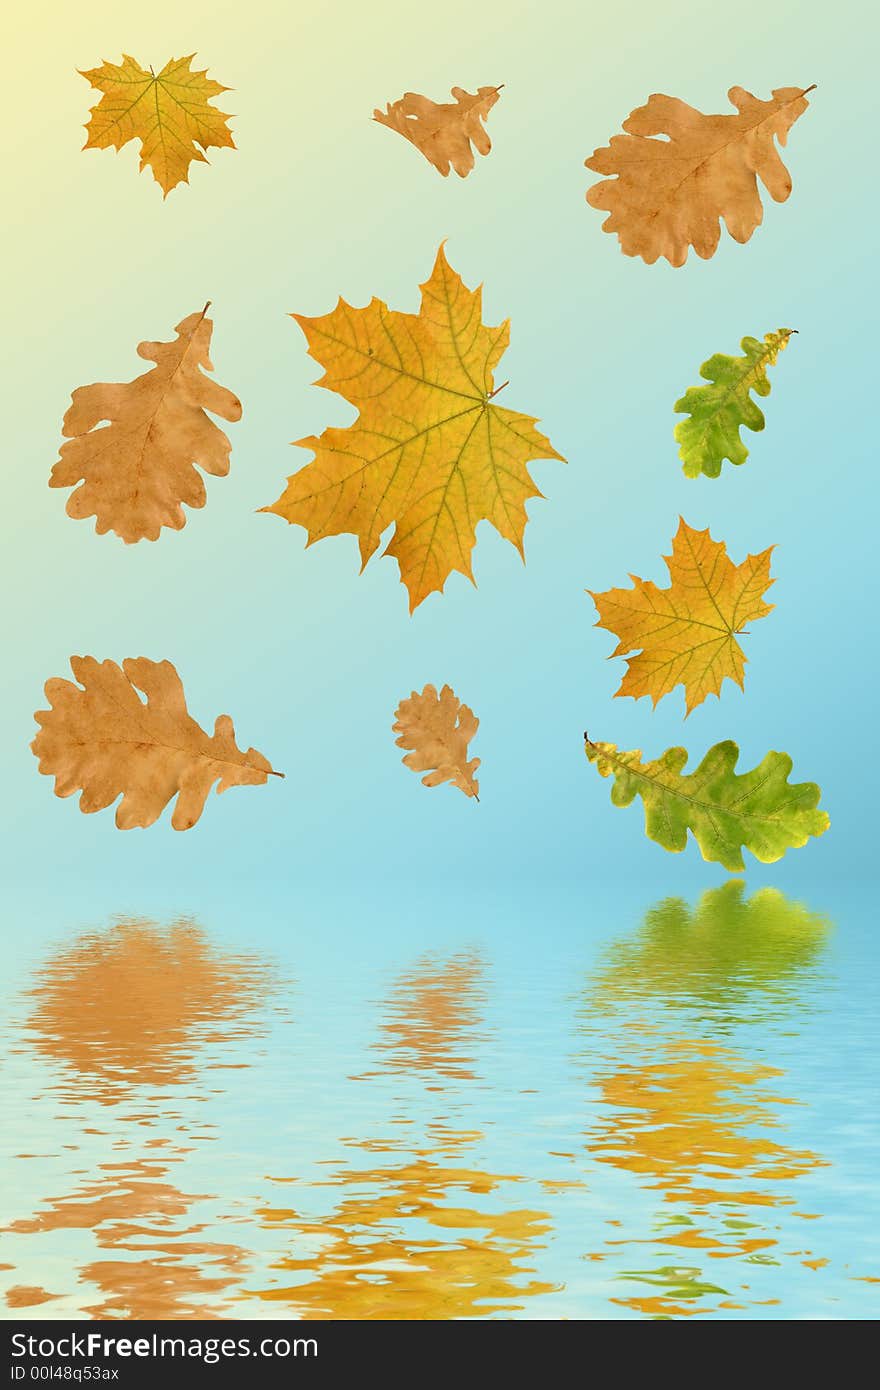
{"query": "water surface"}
pixel 663 1118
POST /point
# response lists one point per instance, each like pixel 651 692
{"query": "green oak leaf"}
pixel 717 412
pixel 724 811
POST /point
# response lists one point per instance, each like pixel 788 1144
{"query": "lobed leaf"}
pixel 724 811
pixel 718 412
pixel 438 729
pixel 446 133
pixel 135 472
pixel 99 738
pixel 665 195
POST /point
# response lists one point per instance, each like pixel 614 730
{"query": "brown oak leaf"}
pixel 136 471
pixel 443 131
pixel 101 739
pixel 668 194
pixel 438 729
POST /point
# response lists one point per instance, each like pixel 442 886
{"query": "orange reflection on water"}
pixel 131 1014
pixel 138 1005
pixel 404 1245
pixel 130 1210
pixel 27 1296
pixel 694 1119
pixel 409 1238
pixel 432 1017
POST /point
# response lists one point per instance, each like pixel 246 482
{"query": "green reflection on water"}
pixel 690 1118
pixel 729 952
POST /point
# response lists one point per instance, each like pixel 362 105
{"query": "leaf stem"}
pixel 497 389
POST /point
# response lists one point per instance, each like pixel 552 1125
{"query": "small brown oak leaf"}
pixel 438 729
pixel 443 131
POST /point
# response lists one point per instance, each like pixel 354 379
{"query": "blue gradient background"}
pixel 350 856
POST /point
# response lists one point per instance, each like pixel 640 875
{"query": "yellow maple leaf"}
pixel 687 633
pixel 665 195
pixel 101 739
pixel 438 729
pixel 138 468
pixel 443 131
pixel 430 450
pixel 168 112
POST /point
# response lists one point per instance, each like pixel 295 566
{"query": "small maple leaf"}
pixel 725 811
pixel 667 195
pixel 430 450
pixel 438 728
pixel 169 113
pixel 137 470
pixel 443 131
pixel 100 738
pixel 687 633
pixel 719 411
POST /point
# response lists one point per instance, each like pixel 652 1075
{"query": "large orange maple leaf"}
pixel 687 634
pixel 430 451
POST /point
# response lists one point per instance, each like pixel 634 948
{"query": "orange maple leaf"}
pixel 430 450
pixel 687 634
pixel 169 112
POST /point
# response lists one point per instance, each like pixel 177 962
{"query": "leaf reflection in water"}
pixel 693 1119
pixel 134 1021
pixel 142 1005
pixel 427 1235
pixel 729 956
